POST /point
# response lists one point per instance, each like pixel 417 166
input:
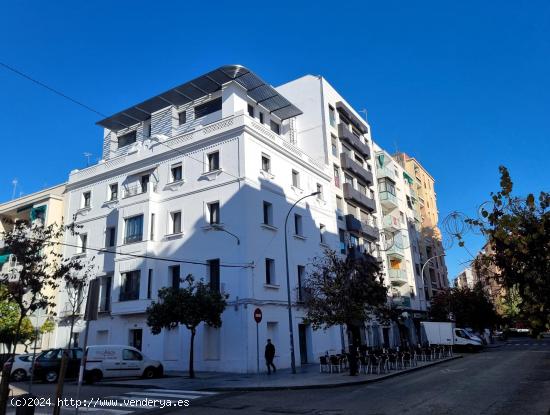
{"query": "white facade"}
pixel 241 187
pixel 150 202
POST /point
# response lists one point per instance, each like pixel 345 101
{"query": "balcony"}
pixel 130 307
pixel 139 190
pixel 402 301
pixel 346 135
pixel 388 201
pixel 358 252
pixel 386 172
pixel 361 199
pixel 398 277
pixel 351 165
pixel 391 222
pixel 355 225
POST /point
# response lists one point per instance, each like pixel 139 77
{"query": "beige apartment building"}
pixel 47 207
pixel 431 248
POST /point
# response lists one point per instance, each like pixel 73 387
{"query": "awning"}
pixel 256 88
pixel 4 259
pixel 408 178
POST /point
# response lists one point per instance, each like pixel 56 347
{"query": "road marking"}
pixel 182 391
pixel 167 395
pixel 103 409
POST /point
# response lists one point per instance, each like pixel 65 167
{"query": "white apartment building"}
pixel 465 279
pixel 198 180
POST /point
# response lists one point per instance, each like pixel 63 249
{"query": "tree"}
pixel 518 234
pixel 189 306
pixel 9 323
pixel 76 284
pixel 344 291
pixel 42 267
pixel 469 307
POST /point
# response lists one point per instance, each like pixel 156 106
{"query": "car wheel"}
pixel 51 376
pixel 94 376
pixel 19 375
pixel 149 373
pixel 159 372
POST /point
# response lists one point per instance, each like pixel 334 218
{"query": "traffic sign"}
pixel 258 315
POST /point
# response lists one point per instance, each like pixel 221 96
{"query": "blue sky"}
pixel 462 86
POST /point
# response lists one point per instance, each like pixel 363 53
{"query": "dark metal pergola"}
pixel 213 81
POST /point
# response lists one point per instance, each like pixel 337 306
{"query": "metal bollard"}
pixel 27 409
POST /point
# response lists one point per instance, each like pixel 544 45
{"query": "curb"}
pixel 296 387
pixel 331 385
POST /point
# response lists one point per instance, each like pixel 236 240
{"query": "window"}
pixel 175 220
pixel 129 286
pixel 149 284
pixel 86 199
pixel 359 160
pixel 322 233
pixel 152 233
pixel 268 213
pixel 127 139
pixel 214 212
pixel 208 108
pixel 214 274
pixel 386 186
pixel 182 117
pixel 275 127
pixel 334 144
pixel 113 191
pixel 340 207
pixel 297 224
pixel 175 276
pixel 214 161
pixel 320 190
pixel 295 179
pixel 176 173
pixel 266 163
pixel 105 284
pixel 147 128
pixel 134 229
pixel 144 183
pixel 362 188
pixel 342 237
pixel 409 202
pixel 83 242
pixel 348 179
pixel 251 110
pixel 300 276
pixel 336 176
pixel 269 271
pixel 262 117
pixel 110 237
pixel 402 217
pixel 332 115
pixel 128 354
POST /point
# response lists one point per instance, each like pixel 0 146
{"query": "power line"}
pixel 49 88
pixel 75 101
pixel 182 261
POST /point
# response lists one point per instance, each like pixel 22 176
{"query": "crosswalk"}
pixel 517 344
pixel 141 400
pixel 135 401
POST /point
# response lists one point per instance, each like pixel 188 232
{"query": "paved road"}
pixel 512 379
pixel 103 400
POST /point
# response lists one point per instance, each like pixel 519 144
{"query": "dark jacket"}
pixel 269 351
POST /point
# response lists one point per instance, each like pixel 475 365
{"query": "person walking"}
pixel 269 356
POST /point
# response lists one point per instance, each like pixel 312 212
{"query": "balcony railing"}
pixel 129 295
pixel 398 276
pixel 391 222
pixel 139 190
pixel 388 200
pixel 351 165
pixel 355 225
pixel 402 301
pixel 346 135
pixel 385 172
pixel 354 195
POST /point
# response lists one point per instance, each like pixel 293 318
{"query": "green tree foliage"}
pixel 9 320
pixel 189 306
pixel 343 291
pixel 518 233
pixel 36 248
pixel 470 308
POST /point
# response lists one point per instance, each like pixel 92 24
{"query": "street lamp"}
pixel 422 274
pixel 291 330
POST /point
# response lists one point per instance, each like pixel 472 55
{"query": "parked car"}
pixel 48 363
pixel 113 361
pixel 20 366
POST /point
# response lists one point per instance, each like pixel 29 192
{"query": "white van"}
pixel 119 362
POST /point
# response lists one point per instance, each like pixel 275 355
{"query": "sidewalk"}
pixel 307 377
